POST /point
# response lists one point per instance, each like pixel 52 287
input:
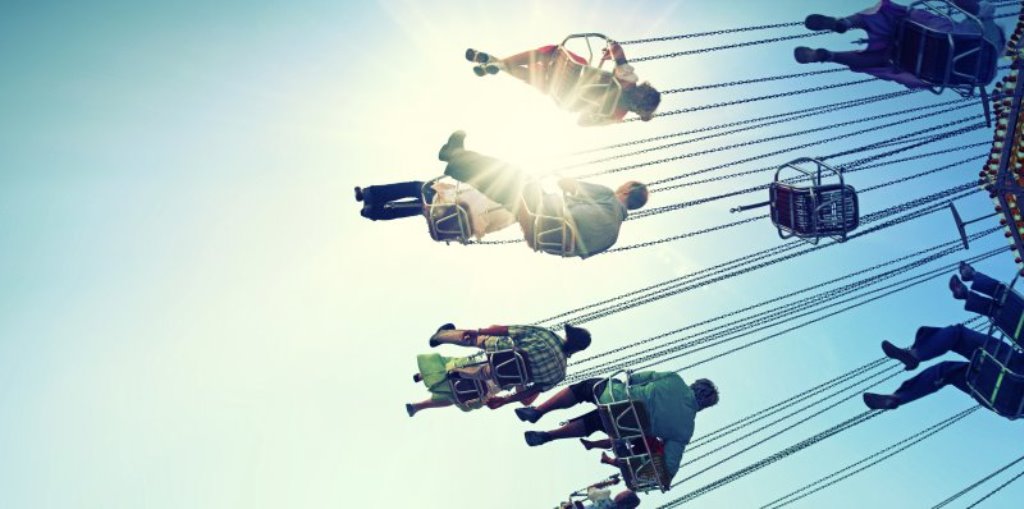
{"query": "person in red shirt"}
pixel 539 68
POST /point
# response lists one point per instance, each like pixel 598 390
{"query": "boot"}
pixel 903 355
pixel 880 401
pixel 822 22
pixel 958 288
pixel 805 55
pixel 455 143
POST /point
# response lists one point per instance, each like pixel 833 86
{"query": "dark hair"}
pixel 644 99
pixel 576 339
pixel 626 500
pixel 705 392
pixel 636 194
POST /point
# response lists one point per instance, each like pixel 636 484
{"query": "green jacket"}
pixel 671 407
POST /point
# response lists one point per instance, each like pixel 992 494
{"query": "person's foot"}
pixel 359 193
pixel 958 288
pixel 588 444
pixel 805 55
pixel 409 409
pixel 535 438
pixel 903 355
pixel 529 414
pixel 880 401
pixel 455 142
pixel 966 271
pixel 433 339
pixel 477 56
pixel 822 22
pixel 492 69
pixel 417 378
pixel 606 459
pixel 479 71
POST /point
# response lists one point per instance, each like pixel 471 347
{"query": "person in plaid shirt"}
pixel 546 353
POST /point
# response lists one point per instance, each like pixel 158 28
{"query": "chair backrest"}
pixel 510 367
pixel 466 391
pixel 994 377
pixel 943 58
pixel 812 212
pixel 625 419
pixel 449 222
pixel 1009 316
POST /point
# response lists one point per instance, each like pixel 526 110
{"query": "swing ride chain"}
pixel 834 430
pixel 713 33
pixel 779 95
pixel 752 81
pixel 710 49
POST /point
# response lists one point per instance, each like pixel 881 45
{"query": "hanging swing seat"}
pixel 507 368
pixel 996 372
pixel 447 216
pixel 957 55
pixel 548 226
pixel 810 212
pixel 626 422
pixel 577 86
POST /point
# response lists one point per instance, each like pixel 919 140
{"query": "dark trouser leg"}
pixel 496 179
pixel 931 343
pixel 861 59
pixel 976 303
pixel 581 426
pixel 405 198
pixel 985 285
pixel 932 379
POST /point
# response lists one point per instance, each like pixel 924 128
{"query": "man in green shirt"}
pixel 671 407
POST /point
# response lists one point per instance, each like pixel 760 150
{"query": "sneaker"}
pixel 492 69
pixel 455 142
pixel 903 355
pixel 958 288
pixel 359 193
pixel 528 414
pixel 966 271
pixel 880 401
pixel 822 22
pixel 479 71
pixel 535 438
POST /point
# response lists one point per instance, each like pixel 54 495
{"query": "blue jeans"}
pixel 932 342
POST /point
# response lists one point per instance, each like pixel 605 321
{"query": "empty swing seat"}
pixel 812 211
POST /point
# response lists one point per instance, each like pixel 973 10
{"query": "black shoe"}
pixel 958 288
pixel 359 193
pixel 448 326
pixel 880 401
pixel 966 271
pixel 901 354
pixel 805 55
pixel 417 378
pixel 492 69
pixel 477 56
pixel 479 71
pixel 529 414
pixel 455 142
pixel 409 409
pixel 535 438
pixel 822 22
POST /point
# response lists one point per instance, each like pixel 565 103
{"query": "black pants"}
pixel 405 200
pixel 584 392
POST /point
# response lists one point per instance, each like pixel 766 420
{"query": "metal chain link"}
pixel 712 33
pixel 711 49
pixel 977 483
pixel 779 95
pixel 753 80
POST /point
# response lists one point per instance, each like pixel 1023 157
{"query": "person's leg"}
pixel 380 195
pixel 604 443
pixel 412 408
pixel 926 382
pixel 931 342
pixel 976 303
pixel 496 179
pixel 530 66
pixel 986 285
pixel 565 398
pixel 578 427
pixel 860 59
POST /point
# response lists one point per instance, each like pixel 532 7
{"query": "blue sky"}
pixel 194 314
